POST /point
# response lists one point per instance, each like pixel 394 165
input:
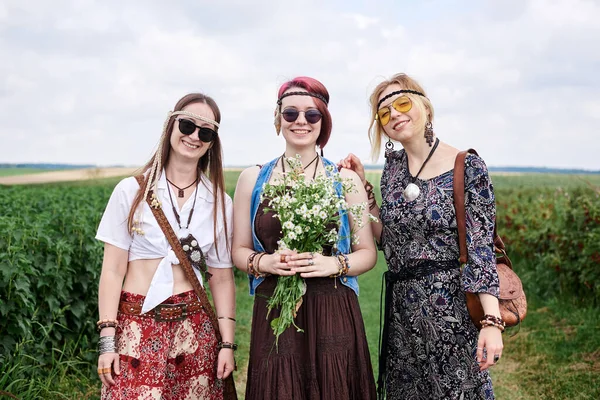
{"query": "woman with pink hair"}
pixel 330 359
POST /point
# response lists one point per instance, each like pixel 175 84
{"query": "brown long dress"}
pixel 329 360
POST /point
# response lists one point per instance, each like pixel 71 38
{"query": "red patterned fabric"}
pixel 165 360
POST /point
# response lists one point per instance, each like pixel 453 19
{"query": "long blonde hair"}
pixel 422 102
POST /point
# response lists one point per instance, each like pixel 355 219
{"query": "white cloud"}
pixel 91 81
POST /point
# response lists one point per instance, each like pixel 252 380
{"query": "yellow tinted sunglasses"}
pixel 401 104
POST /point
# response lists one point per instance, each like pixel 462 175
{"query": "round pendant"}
pixel 411 192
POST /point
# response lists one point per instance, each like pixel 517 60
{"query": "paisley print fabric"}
pixel 431 342
pixel 165 360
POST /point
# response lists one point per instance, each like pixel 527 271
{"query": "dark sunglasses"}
pixel 205 134
pixel 311 116
pixel 402 104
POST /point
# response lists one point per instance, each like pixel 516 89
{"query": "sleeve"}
pixel 219 255
pixel 479 274
pixel 113 227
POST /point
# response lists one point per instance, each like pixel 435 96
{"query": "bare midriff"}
pixel 140 272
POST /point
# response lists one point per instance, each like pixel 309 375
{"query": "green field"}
pixel 50 267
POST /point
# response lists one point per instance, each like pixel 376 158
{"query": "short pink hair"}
pixel 312 85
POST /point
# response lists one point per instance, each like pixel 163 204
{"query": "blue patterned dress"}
pixel 431 341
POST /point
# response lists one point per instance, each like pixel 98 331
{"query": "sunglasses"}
pixel 311 116
pixel 401 104
pixel 205 134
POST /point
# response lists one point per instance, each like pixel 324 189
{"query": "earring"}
pixel 389 147
pixel 429 133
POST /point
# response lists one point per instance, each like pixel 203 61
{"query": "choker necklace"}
pixel 412 191
pixel 303 168
pixel 181 190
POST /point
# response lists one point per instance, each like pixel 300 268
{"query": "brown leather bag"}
pixel 512 300
pixel 229 391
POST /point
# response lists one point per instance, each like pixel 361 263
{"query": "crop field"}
pixel 50 266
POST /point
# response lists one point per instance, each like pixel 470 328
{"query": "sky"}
pixel 91 82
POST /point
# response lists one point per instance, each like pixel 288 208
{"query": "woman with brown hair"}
pixel 156 337
pixel 330 359
pixel 430 347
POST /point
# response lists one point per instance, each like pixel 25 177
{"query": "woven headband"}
pixel 398 92
pixel 189 114
pixel 318 96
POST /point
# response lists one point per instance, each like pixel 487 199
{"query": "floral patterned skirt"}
pixel 165 360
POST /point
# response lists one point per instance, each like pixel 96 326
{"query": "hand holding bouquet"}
pixel 306 208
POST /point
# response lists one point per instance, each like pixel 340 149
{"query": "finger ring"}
pixel 282 258
pixel 311 262
pixel 496 358
pixel 480 348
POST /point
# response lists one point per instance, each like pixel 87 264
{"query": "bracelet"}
pixel 250 263
pixel 109 324
pixel 104 321
pixel 485 324
pixel 343 266
pixel 257 273
pixel 232 319
pixel 370 195
pixel 107 344
pixel 227 345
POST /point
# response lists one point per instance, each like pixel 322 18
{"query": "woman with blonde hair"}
pixel 430 348
pixel 165 234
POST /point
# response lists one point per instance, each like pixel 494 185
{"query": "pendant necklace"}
pixel 412 191
pixel 303 168
pixel 181 190
pixel 189 243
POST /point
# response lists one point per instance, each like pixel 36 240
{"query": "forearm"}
pixel 361 261
pixel 222 287
pixel 240 257
pixel 490 304
pixel 376 226
pixel 109 294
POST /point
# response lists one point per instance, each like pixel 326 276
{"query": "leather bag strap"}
pixel 164 224
pixel 458 186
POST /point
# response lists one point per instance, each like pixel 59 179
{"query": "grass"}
pixel 556 354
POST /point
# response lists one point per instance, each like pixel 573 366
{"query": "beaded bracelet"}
pixel 257 273
pixel 486 323
pixel 250 263
pixel 227 345
pixel 342 262
pixel 103 321
pixel 109 324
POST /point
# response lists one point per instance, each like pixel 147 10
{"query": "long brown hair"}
pixel 210 164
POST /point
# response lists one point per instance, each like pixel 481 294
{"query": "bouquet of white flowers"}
pixel 305 208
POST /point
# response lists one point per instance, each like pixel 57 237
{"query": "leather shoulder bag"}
pixel 512 300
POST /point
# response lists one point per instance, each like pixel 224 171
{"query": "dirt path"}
pixel 66 175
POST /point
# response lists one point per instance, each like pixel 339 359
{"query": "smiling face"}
pixel 300 133
pixel 403 126
pixel 190 146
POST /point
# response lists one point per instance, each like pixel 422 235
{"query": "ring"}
pixel 496 358
pixel 311 262
pixel 282 258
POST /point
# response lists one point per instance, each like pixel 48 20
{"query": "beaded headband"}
pixel 398 92
pixel 317 95
pixel 189 114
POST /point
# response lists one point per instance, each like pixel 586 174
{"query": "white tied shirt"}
pixel 153 244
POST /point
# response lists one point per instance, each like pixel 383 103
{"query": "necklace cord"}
pixel 193 204
pixel 303 168
pixel 437 141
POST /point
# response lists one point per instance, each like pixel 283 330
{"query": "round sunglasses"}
pixel 401 104
pixel 205 134
pixel 311 116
